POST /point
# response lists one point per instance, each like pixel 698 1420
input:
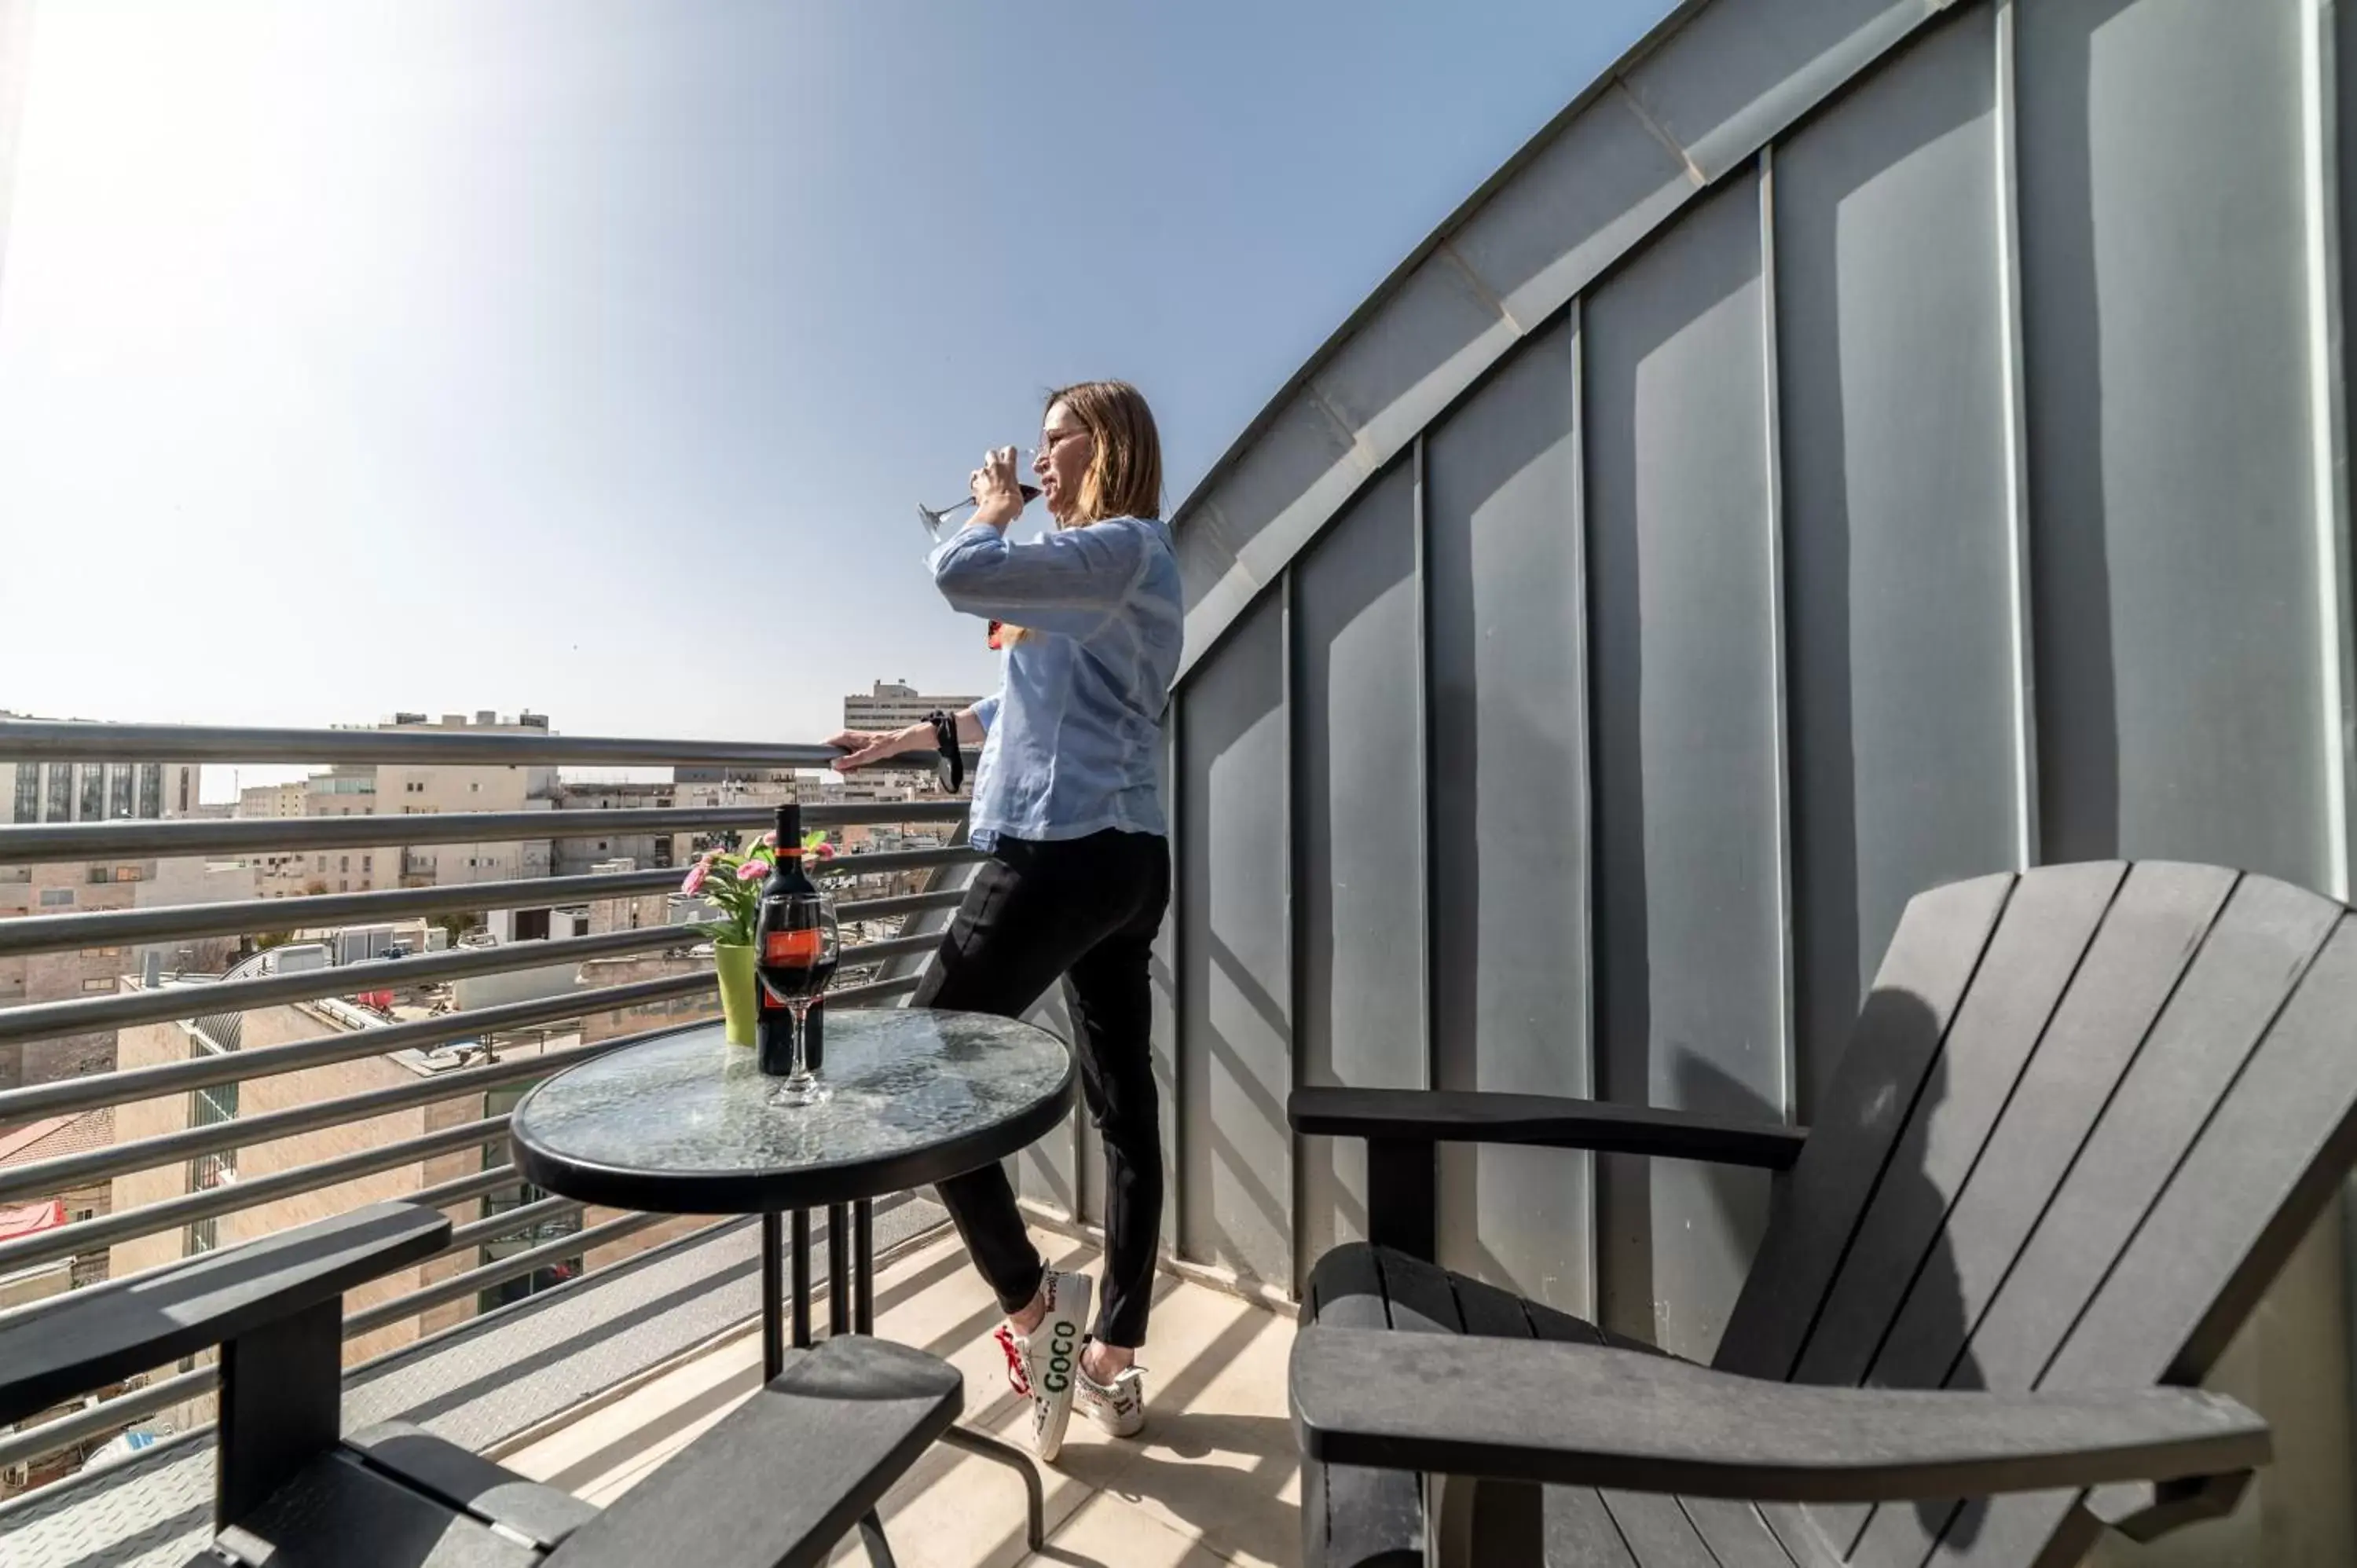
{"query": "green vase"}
pixel 740 1003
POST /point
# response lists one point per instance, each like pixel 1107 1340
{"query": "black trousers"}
pixel 1086 909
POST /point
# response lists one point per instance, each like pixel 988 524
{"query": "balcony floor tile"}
pixel 1214 1480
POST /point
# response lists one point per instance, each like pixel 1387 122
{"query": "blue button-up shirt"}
pixel 1072 739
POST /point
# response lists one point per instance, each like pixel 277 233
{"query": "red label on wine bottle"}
pixel 794 948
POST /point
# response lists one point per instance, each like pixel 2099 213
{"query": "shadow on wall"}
pixel 1933 1298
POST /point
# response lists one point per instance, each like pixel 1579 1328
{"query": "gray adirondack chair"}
pixel 2083 1118
pixel 776 1484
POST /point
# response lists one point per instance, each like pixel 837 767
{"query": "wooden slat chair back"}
pixel 2085 1115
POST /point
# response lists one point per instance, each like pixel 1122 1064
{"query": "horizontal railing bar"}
pixel 81 741
pixel 65 1172
pixel 129 1224
pixel 476 1232
pixel 48 1020
pixel 895 947
pixel 442 1195
pixel 33 1443
pixel 910 904
pixel 132 927
pixel 24 843
pixel 877 990
pixel 127 1084
pixel 36 1442
pixel 458 1287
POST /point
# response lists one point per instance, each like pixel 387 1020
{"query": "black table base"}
pixel 682 1123
pixel 851 1309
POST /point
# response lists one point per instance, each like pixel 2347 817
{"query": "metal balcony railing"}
pixel 212 1008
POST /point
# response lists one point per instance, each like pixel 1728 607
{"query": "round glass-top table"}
pixel 682 1125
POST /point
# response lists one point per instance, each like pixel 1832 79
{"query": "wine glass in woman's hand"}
pixel 997 494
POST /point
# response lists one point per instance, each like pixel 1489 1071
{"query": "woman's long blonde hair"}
pixel 1125 477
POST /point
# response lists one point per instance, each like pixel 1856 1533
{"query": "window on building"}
pixel 56 897
pixel 99 877
pixel 343 887
pixel 368 863
pixel 120 784
pixel 102 952
pixel 207 1107
pixel 187 776
pixel 104 982
pixel 474 789
pixel 126 873
pixel 28 807
pixel 344 863
pixel 500 1103
pixel 151 788
pixel 94 791
pixel 323 862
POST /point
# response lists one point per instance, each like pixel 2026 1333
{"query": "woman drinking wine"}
pixel 1068 806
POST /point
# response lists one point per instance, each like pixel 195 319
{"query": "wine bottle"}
pixel 784 951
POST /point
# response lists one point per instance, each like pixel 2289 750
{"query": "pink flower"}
pixel 770 837
pixel 752 871
pixel 695 883
pixel 826 852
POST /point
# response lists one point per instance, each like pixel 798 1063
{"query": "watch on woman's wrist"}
pixel 949 766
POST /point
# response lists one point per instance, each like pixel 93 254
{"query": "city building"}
pixel 655 847
pixel 95 792
pixel 53 888
pixel 355 790
pixel 430 789
pixel 155 1044
pixel 52 1138
pixel 272 799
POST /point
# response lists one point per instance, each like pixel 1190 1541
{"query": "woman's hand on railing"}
pixel 863 747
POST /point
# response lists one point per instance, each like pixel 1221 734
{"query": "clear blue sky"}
pixel 590 355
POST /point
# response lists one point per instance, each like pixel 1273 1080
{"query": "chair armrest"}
pixel 1404 1127
pixel 1542 1121
pixel 780 1481
pixel 72 1344
pixel 1594 1416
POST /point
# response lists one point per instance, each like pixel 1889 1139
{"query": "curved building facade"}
pixel 1858 446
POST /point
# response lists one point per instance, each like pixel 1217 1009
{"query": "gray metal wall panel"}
pixel 1359 818
pixel 1510 809
pixel 2173 553
pixel 1899 581
pixel 1165 973
pixel 1235 1020
pixel 1689 913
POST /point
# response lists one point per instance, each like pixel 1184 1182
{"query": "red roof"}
pixel 16 1222
pixel 56 1135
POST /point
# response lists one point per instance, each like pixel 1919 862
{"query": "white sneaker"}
pixel 1118 1407
pixel 1041 1365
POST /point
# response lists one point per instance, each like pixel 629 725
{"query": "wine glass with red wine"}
pixel 933 520
pixel 796 947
